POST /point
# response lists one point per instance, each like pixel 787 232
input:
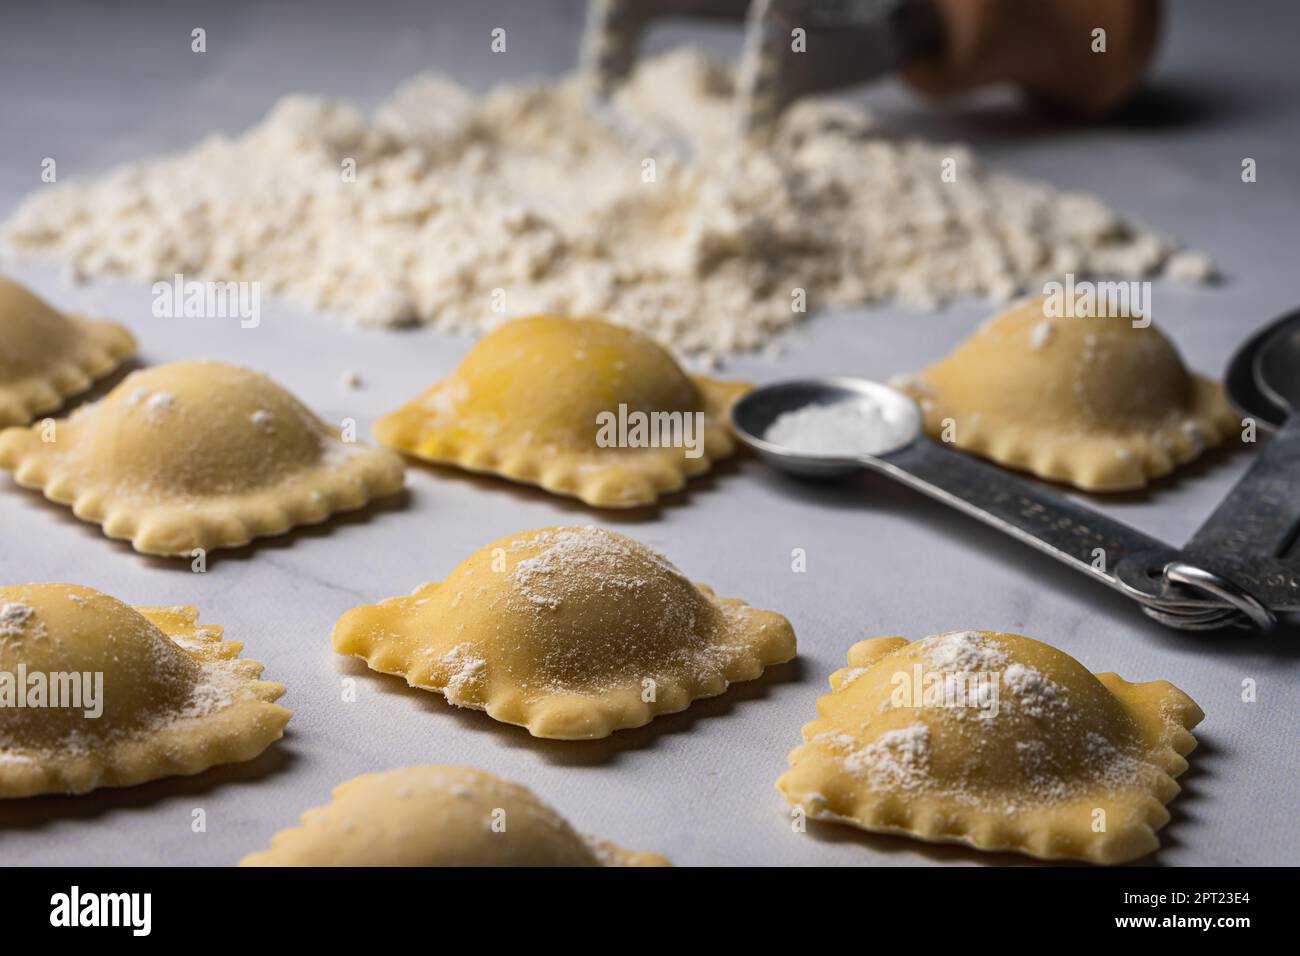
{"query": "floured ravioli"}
pixel 996 741
pixel 1094 402
pixel 571 632
pixel 576 406
pixel 126 694
pixel 198 455
pixel 438 816
pixel 47 356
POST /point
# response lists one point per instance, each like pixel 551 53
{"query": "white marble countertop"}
pixel 94 85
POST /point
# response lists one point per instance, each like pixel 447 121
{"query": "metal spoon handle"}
pixel 1258 522
pixel 1036 515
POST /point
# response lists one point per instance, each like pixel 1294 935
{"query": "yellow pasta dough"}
pixel 438 816
pixel 996 741
pixel 578 406
pixel 99 694
pixel 571 632
pixel 1094 402
pixel 198 455
pixel 47 356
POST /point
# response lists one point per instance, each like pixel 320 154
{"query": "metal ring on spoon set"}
pixel 1207 621
pixel 1242 601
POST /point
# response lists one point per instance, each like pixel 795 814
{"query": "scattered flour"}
pixel 218 686
pixel 466 670
pixel 1041 334
pixel 13 615
pixel 1035 694
pixel 263 421
pixel 1034 713
pixel 962 651
pixel 1190 266
pixel 156 404
pixel 160 402
pixel 459 211
pixel 896 760
pixel 574 560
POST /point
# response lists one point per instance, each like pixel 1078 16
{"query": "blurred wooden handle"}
pixel 1045 47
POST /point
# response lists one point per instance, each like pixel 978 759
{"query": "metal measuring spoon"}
pixel 1242 386
pixel 1058 526
pixel 1254 527
pixel 1277 363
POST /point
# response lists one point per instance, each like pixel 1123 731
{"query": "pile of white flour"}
pixel 466 210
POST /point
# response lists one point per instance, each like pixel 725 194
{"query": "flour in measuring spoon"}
pixel 863 426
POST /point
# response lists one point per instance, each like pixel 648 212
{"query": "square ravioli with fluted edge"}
pixel 571 632
pixel 577 406
pixel 128 694
pixel 997 741
pixel 198 455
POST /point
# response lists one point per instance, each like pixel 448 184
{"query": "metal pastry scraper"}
pixel 1086 55
pixel 1240 568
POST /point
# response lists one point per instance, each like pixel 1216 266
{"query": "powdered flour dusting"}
pixel 1034 714
pixel 13 616
pixel 466 210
